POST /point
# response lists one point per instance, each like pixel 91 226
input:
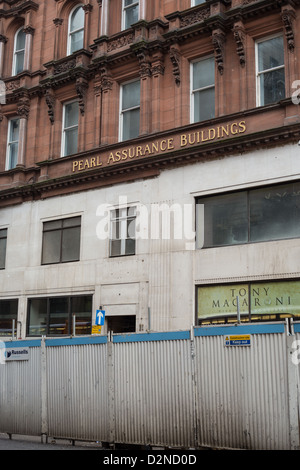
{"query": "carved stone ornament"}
pixel 64 66
pixel 194 17
pixel 145 64
pixel 288 16
pixel 24 107
pixel 50 100
pixel 81 87
pixel 218 40
pixel 175 59
pixel 105 79
pixel 239 37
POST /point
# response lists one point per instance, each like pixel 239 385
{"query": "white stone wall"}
pixel 163 273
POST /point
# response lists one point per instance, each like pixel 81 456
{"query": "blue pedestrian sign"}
pixel 100 317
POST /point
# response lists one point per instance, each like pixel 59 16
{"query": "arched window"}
pixel 19 51
pixel 76 29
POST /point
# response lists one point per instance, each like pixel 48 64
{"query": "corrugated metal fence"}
pixel 180 389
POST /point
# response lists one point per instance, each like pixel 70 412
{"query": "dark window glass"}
pixel 8 313
pixel 54 316
pixel 3 240
pixel 265 214
pixel 61 241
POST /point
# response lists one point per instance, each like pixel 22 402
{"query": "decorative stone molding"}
pixel 81 87
pixel 194 17
pixel 175 59
pixel 50 100
pixel 122 41
pixel 239 36
pixel 144 61
pixel 64 66
pixel 106 82
pixel 288 16
pixel 24 107
pixel 218 40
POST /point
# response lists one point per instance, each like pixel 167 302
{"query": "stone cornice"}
pixel 17 7
pixel 50 178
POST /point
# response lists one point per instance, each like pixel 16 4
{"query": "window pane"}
pixel 76 41
pixel 8 313
pixel 275 213
pixel 130 95
pixel 71 114
pixel 20 40
pixel 81 307
pixel 225 220
pixel 71 222
pixel 2 252
pixel 115 247
pixel 19 62
pixel 71 141
pixel 270 53
pixel 77 19
pixel 131 16
pixel 115 230
pixel 130 247
pixel 204 105
pixel 54 224
pixel 51 247
pixel 14 130
pixel 131 228
pixel 13 155
pixel 203 73
pixel 59 323
pixel 272 86
pixel 131 124
pixel 38 317
pixel 70 244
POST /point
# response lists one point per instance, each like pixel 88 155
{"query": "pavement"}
pixel 34 443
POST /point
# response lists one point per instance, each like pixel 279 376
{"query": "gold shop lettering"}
pixel 160 146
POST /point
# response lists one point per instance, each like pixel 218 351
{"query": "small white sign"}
pixel 16 354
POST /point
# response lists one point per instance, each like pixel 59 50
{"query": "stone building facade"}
pixel 149 163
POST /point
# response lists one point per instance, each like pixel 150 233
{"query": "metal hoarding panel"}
pixel 154 393
pixel 77 391
pixel 20 395
pixel 242 393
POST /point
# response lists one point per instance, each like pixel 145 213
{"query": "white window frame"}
pixel 17 52
pixel 125 8
pixel 70 33
pixel 123 111
pixel 257 73
pixel 123 220
pixel 64 129
pixel 9 142
pixel 193 91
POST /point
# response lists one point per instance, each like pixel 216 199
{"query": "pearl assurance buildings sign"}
pixel 161 146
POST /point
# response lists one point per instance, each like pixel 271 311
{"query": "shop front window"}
pixel 265 301
pixel 55 316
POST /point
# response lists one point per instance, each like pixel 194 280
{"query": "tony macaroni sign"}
pixel 161 146
pixel 256 299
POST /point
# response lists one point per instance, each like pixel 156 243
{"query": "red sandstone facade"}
pixel 157 50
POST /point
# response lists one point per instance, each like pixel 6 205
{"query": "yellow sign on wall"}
pixel 96 330
pixel 259 299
